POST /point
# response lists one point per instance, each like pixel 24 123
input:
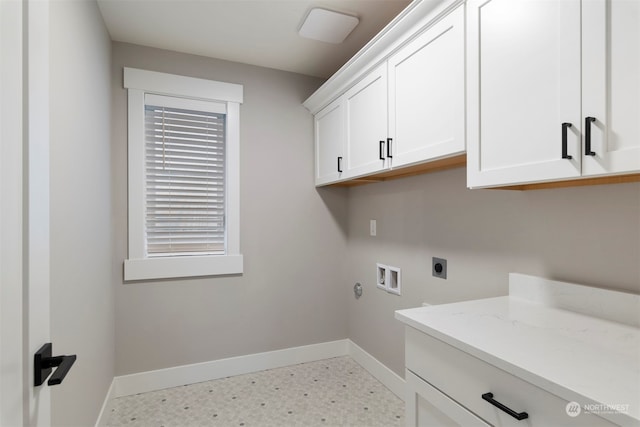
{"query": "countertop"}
pixel 578 357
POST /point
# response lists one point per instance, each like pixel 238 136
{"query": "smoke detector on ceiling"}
pixel 327 26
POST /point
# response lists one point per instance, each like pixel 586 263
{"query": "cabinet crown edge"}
pixel 415 18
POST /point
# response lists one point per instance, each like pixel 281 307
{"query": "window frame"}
pixel 138 266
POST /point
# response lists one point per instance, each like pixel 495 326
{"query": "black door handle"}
pixel 517 415
pixel 587 136
pixel 381 150
pixel 389 142
pixel 43 363
pixel 565 127
pixel 339 164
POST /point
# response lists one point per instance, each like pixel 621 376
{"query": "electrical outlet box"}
pixel 439 267
pixel 373 227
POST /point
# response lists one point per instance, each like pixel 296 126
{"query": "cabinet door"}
pixel 329 140
pixel 426 94
pixel 366 105
pixel 428 406
pixel 611 86
pixel 523 80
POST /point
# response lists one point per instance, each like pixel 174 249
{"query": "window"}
pixel 183 176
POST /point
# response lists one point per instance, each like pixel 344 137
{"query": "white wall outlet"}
pixel 373 227
pixel 381 276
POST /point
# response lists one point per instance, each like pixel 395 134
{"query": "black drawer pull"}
pixel 587 136
pixel 565 127
pixel 381 150
pixel 339 164
pixel 517 415
pixel 389 142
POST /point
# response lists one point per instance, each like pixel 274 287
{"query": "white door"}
pixel 24 213
pixel 11 360
pixel 366 104
pixel 426 94
pixel 611 86
pixel 523 86
pixel 329 140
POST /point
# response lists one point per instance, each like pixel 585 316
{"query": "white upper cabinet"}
pixel 523 79
pixel 330 138
pixel 535 91
pixel 426 94
pixel 553 90
pixel 611 86
pixel 401 100
pixel 366 124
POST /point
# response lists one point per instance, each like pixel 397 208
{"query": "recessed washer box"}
pixel 388 278
pixel 381 276
pixel 393 280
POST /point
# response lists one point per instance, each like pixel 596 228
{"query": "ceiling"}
pixel 257 32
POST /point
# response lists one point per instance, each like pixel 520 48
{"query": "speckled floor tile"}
pixel 331 392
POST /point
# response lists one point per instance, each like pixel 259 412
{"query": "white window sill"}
pixel 176 267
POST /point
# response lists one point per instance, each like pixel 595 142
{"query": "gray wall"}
pixel 305 248
pixel 588 235
pixel 82 300
pixel 300 260
pixel 293 238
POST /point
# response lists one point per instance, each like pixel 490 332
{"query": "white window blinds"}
pixel 184 178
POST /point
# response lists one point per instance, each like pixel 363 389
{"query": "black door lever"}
pixel 43 363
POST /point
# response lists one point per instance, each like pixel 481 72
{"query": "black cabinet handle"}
pixel 339 164
pixel 565 127
pixel 44 363
pixel 517 415
pixel 587 136
pixel 389 142
pixel 381 150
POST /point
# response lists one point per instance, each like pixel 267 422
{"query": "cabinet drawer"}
pixel 465 378
pixel 427 406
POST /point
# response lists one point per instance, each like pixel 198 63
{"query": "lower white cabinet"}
pixel 446 386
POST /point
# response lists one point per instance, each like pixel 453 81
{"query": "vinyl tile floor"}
pixel 330 392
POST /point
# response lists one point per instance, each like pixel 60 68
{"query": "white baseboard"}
pixel 378 370
pixel 103 417
pixel 143 382
pixel 188 374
